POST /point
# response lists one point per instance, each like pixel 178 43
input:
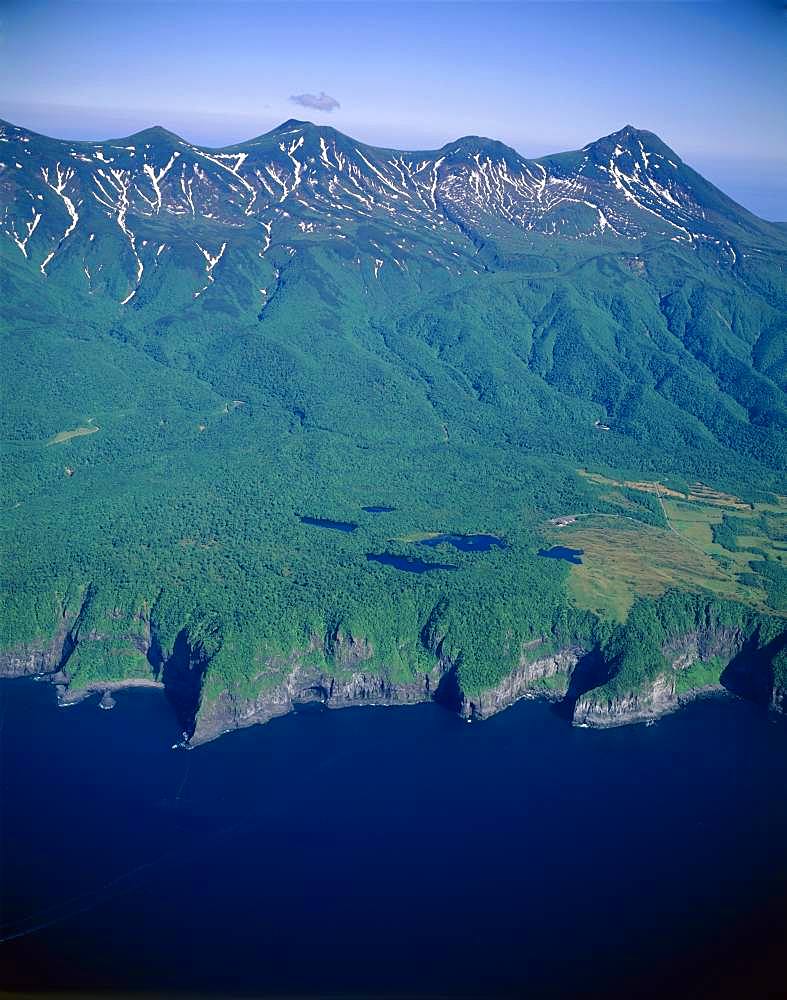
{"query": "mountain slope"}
pixel 205 346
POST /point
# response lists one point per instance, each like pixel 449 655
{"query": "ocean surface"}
pixel 392 852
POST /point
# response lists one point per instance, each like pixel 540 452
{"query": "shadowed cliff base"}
pixel 183 673
pixel 590 672
pixel 750 673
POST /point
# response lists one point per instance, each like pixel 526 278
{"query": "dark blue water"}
pixel 561 552
pixel 392 851
pixel 466 543
pixel 378 510
pixel 407 564
pixel 324 522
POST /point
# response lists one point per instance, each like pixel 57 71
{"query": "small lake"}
pixel 378 510
pixel 324 522
pixel 407 564
pixel 466 543
pixel 562 552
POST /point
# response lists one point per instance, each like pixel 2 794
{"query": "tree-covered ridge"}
pixel 460 367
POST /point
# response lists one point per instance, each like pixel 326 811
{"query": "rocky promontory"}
pixel 547 676
pixel 676 685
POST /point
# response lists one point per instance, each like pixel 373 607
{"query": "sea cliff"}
pixel 38 656
pixel 354 684
pixel 343 670
pixel 547 676
pixel 694 667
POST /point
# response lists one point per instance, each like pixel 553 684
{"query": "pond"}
pixel 378 510
pixel 466 543
pixel 562 552
pixel 324 522
pixel 408 565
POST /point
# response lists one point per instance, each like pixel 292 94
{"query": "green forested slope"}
pixel 460 371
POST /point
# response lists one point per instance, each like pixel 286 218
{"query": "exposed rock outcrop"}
pixel 340 670
pixel 301 682
pixel 663 693
pixel 54 658
pixel 354 684
pixel 72 696
pixel 778 678
pixel 654 699
pixel 545 677
pixel 39 656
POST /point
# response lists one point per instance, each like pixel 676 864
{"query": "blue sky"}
pixel 710 77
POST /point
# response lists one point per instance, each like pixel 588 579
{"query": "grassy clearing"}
pixel 705 494
pixel 632 484
pixel 698 493
pixel 695 523
pixel 623 559
pixel 62 436
pixel 418 536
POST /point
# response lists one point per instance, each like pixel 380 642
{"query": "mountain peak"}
pixel 480 143
pixel 291 125
pixel 155 133
pixel 311 133
pixel 635 140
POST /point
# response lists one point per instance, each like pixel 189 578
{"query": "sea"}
pixel 391 852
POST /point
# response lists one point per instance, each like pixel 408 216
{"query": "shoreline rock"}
pixel 39 656
pixel 68 696
pixel 303 684
pixel 647 705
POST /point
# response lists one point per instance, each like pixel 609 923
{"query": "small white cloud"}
pixel 321 101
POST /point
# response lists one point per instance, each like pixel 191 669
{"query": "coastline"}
pixel 68 696
pixel 576 679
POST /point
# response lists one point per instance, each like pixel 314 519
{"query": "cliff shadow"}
pixel 155 654
pixel 182 674
pixel 590 672
pixel 749 674
pixel 448 693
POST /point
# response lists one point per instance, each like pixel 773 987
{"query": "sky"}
pixel 709 77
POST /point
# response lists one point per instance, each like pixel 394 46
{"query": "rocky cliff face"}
pixel 352 680
pixel 662 694
pixel 39 656
pixel 545 677
pixel 301 682
pixel 56 657
pixel 651 701
pixel 355 684
pixel 778 677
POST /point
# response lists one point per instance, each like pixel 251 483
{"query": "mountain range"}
pixel 303 180
pixel 305 418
